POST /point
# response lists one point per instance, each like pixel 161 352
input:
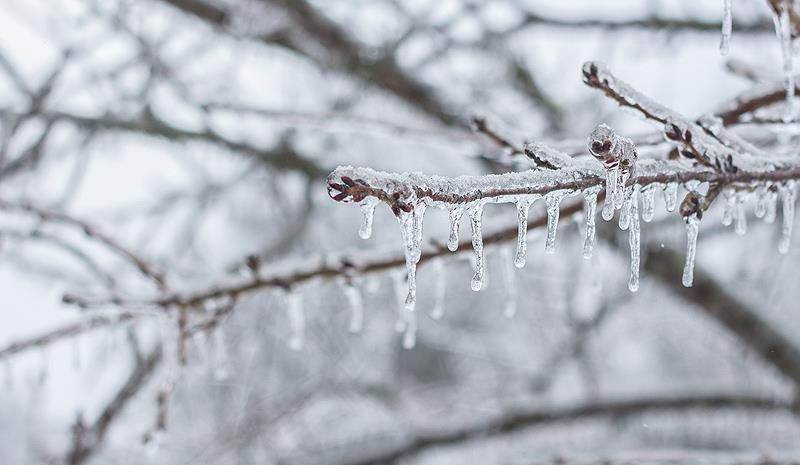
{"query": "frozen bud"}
pixel 602 142
pixel 692 205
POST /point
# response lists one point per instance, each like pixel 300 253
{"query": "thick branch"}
pixel 517 420
pixel 728 310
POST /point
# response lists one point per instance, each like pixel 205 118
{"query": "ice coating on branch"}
pixel 727 27
pixel 523 206
pixel 634 232
pixel 611 187
pixel 454 213
pixel 648 194
pixel 367 213
pixel 671 196
pixel 692 228
pixel 356 301
pixel 589 212
pixel 553 201
pixel 475 218
pixel 740 215
pixel 510 284
pixel 787 202
pixel 542 153
pixel 730 203
pixel 618 156
pixel 440 275
pixel 297 320
pixel 783 29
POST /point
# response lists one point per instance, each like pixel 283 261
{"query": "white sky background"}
pixel 128 173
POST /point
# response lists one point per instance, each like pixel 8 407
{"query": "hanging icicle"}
pixel 787 202
pixel 367 213
pixel 553 201
pixel 648 195
pixel 671 196
pixel 455 218
pixel 611 187
pixel 297 320
pixel 476 217
pixel 692 228
pixel 634 232
pixel 589 213
pixel 523 206
pixel 727 27
pixel 625 212
pixel 740 215
pixel 356 301
pixel 440 273
pixel 783 29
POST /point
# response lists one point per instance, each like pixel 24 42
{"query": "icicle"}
pixel 730 204
pixel 625 212
pixel 671 196
pixel 523 206
pixel 455 218
pixel 297 320
pixel 589 212
pixel 400 289
pixel 356 301
pixel 621 190
pixel 772 206
pixel 761 201
pixel 367 213
pixel 648 194
pixel 787 202
pixel 611 187
pixel 634 240
pixel 411 229
pixel 692 228
pixel 553 200
pixel 220 362
pixel 727 27
pixel 741 216
pixel 439 270
pixel 475 217
pixel 783 29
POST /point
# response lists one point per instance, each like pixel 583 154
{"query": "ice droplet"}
pixel 476 217
pixel 440 272
pixel 356 301
pixel 692 228
pixel 297 320
pixel 741 216
pixel 648 194
pixel 511 284
pixel 787 202
pixel 611 187
pixel 589 212
pixel 553 201
pixel 455 218
pixel 523 206
pixel 727 27
pixel 367 213
pixel 634 240
pixel 671 196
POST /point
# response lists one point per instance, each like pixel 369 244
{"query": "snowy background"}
pixel 197 133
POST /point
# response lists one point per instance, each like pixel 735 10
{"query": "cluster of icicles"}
pixel 634 203
pixel 783 31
